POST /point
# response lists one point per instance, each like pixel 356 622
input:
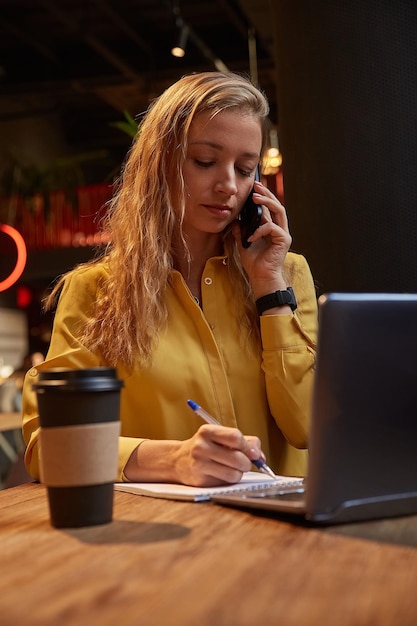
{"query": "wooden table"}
pixel 165 563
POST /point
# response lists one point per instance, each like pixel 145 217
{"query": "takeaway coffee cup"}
pixel 79 432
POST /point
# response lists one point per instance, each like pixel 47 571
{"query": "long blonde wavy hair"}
pixel 144 220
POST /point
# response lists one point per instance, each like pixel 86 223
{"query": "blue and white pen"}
pixel 259 463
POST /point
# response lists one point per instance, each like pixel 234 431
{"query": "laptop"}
pixel 363 433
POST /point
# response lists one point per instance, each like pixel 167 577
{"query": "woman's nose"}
pixel 226 183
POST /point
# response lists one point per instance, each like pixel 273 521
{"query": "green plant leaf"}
pixel 129 126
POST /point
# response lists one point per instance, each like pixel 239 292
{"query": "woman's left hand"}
pixel 264 259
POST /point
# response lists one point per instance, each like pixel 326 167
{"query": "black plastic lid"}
pixel 89 379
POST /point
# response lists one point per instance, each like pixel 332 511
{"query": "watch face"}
pixel 283 297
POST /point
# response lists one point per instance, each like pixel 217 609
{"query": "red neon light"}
pixel 21 256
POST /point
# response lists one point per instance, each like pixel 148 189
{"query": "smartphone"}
pixel 250 216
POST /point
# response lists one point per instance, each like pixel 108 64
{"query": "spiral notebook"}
pixel 250 481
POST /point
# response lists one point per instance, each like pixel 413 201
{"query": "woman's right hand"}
pixel 215 455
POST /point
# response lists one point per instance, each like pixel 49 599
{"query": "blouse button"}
pixel 208 280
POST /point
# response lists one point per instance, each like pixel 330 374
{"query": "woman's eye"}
pixel 206 164
pixel 244 172
pixel 203 163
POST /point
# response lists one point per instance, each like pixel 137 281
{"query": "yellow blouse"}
pixel 201 355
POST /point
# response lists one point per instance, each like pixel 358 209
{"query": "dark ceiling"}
pixel 87 61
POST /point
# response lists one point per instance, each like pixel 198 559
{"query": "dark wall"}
pixel 347 95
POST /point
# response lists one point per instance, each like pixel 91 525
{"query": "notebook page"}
pixel 172 491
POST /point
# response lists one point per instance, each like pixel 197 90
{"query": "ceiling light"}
pixel 179 49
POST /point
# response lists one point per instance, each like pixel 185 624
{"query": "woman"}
pixel 172 302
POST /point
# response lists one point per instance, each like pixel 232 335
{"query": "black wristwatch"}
pixel 278 298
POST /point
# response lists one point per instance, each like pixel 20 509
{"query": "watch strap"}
pixel 284 297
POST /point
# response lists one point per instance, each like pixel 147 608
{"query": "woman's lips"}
pixel 219 210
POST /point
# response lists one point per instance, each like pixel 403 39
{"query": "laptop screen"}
pixel 363 443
